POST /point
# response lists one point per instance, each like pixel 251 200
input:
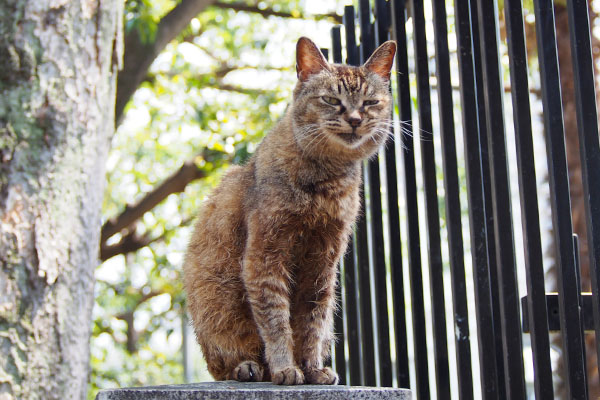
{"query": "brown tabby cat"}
pixel 261 267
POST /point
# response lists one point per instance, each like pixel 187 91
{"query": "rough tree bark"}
pixel 58 63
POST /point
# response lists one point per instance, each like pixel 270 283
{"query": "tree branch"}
pixel 174 184
pixel 219 72
pixel 238 89
pixel 138 56
pixel 128 244
pixel 128 317
pixel 132 242
pixel 268 12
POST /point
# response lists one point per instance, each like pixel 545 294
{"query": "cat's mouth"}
pixel 349 137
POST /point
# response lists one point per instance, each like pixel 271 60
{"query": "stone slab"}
pixel 232 390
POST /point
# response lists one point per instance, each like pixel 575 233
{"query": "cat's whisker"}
pixel 319 144
pixel 392 137
pixel 309 144
pixel 315 141
pixel 408 127
pixel 320 149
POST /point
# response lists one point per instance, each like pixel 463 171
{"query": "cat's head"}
pixel 340 111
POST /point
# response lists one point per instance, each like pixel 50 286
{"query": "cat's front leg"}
pixel 266 275
pixel 313 319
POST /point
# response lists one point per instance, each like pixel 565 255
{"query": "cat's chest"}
pixel 325 201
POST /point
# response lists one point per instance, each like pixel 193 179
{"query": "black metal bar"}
pixel 579 294
pixel 383 19
pixel 352 315
pixel 336 44
pixel 475 193
pixel 351 47
pixel 382 31
pixel 487 191
pixel 573 347
pixel 540 342
pixel 366 315
pixel 503 232
pixel 364 301
pixel 453 209
pixel 587 124
pixel 383 22
pixel 578 269
pixel 350 263
pixel 364 266
pixel 414 248
pixel 436 266
pixel 367 35
pixel 364 283
pixel 376 228
pixel 587 312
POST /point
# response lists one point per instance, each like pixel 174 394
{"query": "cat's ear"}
pixel 382 59
pixel 309 59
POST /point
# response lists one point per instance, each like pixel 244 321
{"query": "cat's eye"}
pixel 370 102
pixel 331 100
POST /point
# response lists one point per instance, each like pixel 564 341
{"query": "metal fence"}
pixel 375 348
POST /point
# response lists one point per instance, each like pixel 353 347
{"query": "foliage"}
pixel 209 97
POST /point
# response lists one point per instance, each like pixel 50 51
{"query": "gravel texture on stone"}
pixel 232 390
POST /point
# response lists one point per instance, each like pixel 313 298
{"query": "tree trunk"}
pixel 58 63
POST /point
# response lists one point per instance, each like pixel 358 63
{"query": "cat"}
pixel 261 266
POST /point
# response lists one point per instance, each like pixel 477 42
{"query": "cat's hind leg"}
pixel 242 364
pixel 225 329
pixel 247 371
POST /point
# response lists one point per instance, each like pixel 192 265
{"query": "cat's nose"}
pixel 354 118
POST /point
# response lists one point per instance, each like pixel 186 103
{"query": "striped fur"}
pixel 261 266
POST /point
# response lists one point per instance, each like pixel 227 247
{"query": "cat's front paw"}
pixel 323 376
pixel 288 376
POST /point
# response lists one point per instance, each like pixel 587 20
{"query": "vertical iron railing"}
pixel 453 208
pixel 587 124
pixel 384 11
pixel 373 180
pixel 376 255
pixel 573 345
pixel 536 297
pixel 438 305
pixel 487 192
pixel 482 252
pixel 406 135
pixel 501 204
pixel 350 264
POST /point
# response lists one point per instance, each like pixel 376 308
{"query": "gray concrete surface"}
pixel 232 390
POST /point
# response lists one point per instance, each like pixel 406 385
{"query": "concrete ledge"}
pixel 232 390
